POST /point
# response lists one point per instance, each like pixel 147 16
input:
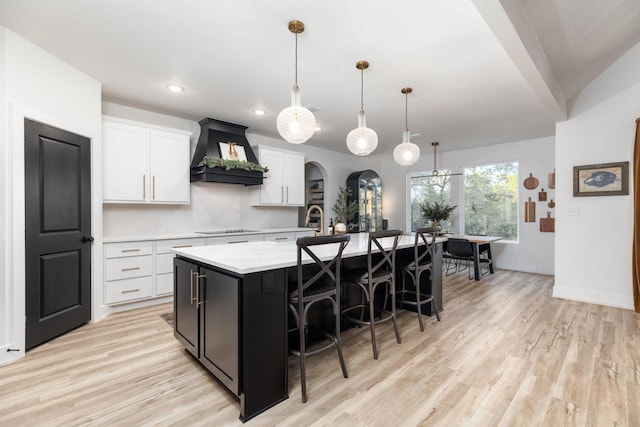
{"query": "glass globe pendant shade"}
pixel 296 124
pixel 406 153
pixel 362 141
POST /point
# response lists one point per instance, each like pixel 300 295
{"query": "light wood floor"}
pixel 504 354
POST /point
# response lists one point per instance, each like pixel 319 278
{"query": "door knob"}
pixel 86 239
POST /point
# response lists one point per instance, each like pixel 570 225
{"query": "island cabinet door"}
pixel 219 321
pixel 185 304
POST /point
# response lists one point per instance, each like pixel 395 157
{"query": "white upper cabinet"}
pixel 144 163
pixel 284 183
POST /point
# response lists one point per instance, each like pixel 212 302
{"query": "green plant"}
pixel 436 210
pixel 215 162
pixel 345 211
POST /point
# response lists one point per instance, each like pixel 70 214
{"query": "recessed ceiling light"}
pixel 259 112
pixel 318 128
pixel 175 88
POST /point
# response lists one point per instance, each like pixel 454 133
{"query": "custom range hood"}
pixel 215 138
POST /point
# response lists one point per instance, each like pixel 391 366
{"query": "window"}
pixel 423 187
pixel 491 200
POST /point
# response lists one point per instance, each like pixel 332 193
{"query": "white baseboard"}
pixel 138 304
pixel 611 300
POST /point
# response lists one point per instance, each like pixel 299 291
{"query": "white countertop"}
pixel 251 257
pixel 194 235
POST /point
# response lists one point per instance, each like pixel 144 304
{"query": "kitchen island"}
pixel 230 307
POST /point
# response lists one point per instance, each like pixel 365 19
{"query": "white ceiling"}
pixel 483 71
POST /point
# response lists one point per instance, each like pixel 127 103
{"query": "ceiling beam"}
pixel 509 23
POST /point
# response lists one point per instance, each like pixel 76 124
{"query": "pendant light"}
pixel 361 141
pixel 406 153
pixel 296 124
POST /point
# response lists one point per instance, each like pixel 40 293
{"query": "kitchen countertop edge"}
pixel 194 235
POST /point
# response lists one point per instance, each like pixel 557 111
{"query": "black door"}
pixel 58 231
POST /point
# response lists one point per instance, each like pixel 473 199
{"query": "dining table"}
pixel 479 244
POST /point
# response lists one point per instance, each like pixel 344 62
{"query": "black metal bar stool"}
pixel 322 285
pixel 380 271
pixel 423 248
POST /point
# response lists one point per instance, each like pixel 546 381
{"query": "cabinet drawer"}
pixel 129 249
pixel 127 290
pixel 165 246
pixel 127 268
pixel 164 263
pixel 280 237
pixel 164 284
pixel 234 239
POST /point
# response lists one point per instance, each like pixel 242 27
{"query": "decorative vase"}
pixel 435 223
pixel 340 228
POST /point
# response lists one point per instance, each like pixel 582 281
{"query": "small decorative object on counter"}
pixel 542 195
pixel 344 210
pixel 548 224
pixel 529 211
pixel 331 229
pixel 436 211
pixel 551 204
pixel 341 228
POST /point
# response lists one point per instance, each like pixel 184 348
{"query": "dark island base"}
pixel 236 327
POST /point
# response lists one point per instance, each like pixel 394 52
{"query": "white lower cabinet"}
pixel 121 291
pixel 139 271
pixel 128 272
pixel 142 272
pixel 164 262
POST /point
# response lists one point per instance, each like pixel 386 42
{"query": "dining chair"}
pixel 423 252
pixel 317 282
pixel 381 260
pixel 459 250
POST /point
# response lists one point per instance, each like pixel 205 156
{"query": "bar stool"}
pixel 323 285
pixel 380 271
pixel 423 248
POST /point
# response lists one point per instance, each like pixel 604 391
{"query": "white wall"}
pixel 214 205
pixel 534 252
pixel 39 86
pixel 593 250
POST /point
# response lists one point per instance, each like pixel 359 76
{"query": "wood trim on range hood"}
pixel 212 132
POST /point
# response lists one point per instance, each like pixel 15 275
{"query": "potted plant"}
pixel 344 211
pixel 436 211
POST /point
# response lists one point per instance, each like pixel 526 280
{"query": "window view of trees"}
pixel 425 187
pixel 491 200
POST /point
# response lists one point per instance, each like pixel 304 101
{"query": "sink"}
pixel 228 231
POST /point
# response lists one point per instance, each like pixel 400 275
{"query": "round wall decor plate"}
pixel 531 183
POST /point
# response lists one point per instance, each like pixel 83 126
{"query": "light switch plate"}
pixel 573 211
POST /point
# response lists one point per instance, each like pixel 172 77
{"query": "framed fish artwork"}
pixel 606 179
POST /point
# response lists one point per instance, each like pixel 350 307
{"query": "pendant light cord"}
pixel 362 90
pixel 406 111
pixel 296 56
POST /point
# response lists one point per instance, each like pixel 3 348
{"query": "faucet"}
pixel 319 209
